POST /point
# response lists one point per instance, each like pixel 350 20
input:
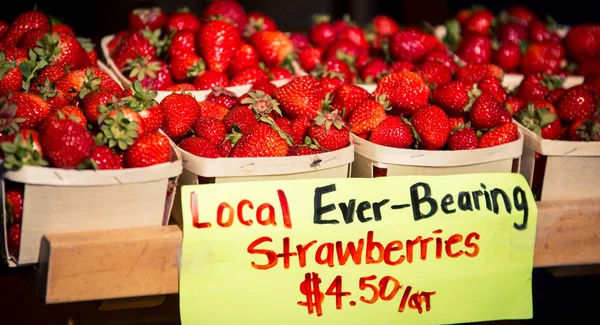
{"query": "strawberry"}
pixel 473 73
pixel 455 97
pixel 62 48
pixel 431 125
pixel 541 31
pixel 322 33
pixel 15 53
pixel 520 14
pixel 14 240
pixel 406 91
pixel 309 58
pixel 479 22
pixel 137 44
pixel 228 9
pixel 77 84
pixel 463 138
pixel 222 96
pixel 347 98
pixel 212 110
pixel 182 20
pixel 356 35
pixel 51 72
pixel 14 202
pixel 22 148
pixel 493 86
pixel 180 86
pixel 25 21
pixel 585 130
pixel 338 67
pixel 153 72
pixel 72 113
pixel 152 149
pixel 90 50
pixel 374 71
pixel 142 101
pixel 66 144
pixel 183 42
pixel 368 114
pixel 307 148
pixel 210 129
pixel 544 56
pixel 181 112
pixel 263 141
pixel 279 73
pixel 331 82
pixel 507 57
pixel 31 107
pixel 3 28
pixel 455 122
pixel 31 37
pixel 103 158
pixel 411 46
pixel 209 79
pixel 218 42
pixel 541 118
pixel 199 147
pixel 345 50
pixel 488 113
pixel 243 117
pixel 514 105
pixel 186 66
pixel 329 131
pixel 10 76
pixel 245 57
pixel 576 104
pixel 273 47
pixel 504 133
pixel 475 49
pixel 230 140
pixel 153 18
pixel 121 127
pixel 258 22
pixel 249 76
pixel 400 66
pixel 285 125
pixel 300 96
pixel 537 85
pixel 392 132
pixel 300 41
pixel 266 86
pixel 554 95
pixel 92 103
pixel 434 73
pixel 385 25
pixel 117 40
pixel 583 41
pixel 512 33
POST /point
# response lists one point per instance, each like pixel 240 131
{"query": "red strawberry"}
pixel 212 110
pixel 72 113
pixel 199 147
pixel 322 32
pixel 222 96
pixel 15 53
pixel 266 86
pixel 51 72
pixel 512 32
pixel 273 47
pixel 228 9
pixel 153 18
pixel 258 22
pixel 209 79
pixel 443 57
pixel 183 42
pixel 22 23
pixel 329 131
pixel 541 31
pixel 243 117
pixel 14 203
pixel 117 40
pixel 455 122
pixel 520 14
pixel 480 22
pixel 66 144
pixel 411 46
pixel 576 104
pixel 488 113
pixel 299 128
pixel 149 150
pixel 473 73
pixel 10 76
pixel 186 66
pixel 91 103
pixel 374 71
pixel 431 124
pixel 541 118
pixel 554 95
pixel 121 127
pixel 514 105
pixel 507 57
pixel 307 148
pixel 309 58
pixel 434 73
pixel 347 98
pixel 475 49
pixel 14 240
pixel 181 86
pixel 504 133
pixel 62 48
pixel 301 96
pixel 142 100
pixel 31 37
pixel 21 148
pixel 583 41
pixel 463 139
pixel 385 25
pixel 544 57
pixel 263 141
pixel 104 158
pixel 90 50
pixel 245 57
pixel 345 50
pixel 300 41
pixel 455 97
pixel 183 19
pixel 331 82
pixel 3 28
pixel 181 112
pixel 400 66
pixel 338 67
pixel 140 43
pixel 356 35
pixel 210 129
pixel 392 132
pixel 279 74
pixel 368 114
pixel 537 85
pixel 31 107
pixel 406 91
pixel 494 87
pixel 585 130
pixel 153 73
pixel 218 42
pixel 249 76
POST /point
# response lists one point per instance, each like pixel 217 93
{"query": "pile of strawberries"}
pixel 519 41
pixel 542 105
pixel 464 113
pixel 223 46
pixel 14 193
pixel 346 53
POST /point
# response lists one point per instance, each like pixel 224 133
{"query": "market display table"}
pixel 144 262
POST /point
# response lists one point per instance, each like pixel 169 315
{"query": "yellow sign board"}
pixel 391 250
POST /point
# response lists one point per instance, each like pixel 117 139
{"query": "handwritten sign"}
pixel 392 250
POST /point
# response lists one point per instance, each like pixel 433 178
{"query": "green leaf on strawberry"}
pixel 21 152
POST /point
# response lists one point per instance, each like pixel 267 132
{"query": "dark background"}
pixel 556 299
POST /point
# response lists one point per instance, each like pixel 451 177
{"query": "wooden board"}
pixel 144 262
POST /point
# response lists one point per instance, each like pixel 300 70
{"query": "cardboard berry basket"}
pixel 66 200
pixel 370 158
pixel 560 170
pixel 126 83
